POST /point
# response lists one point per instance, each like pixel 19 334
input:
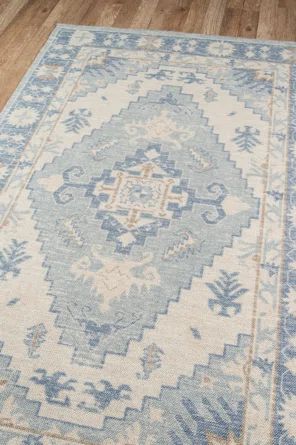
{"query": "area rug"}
pixel 148 242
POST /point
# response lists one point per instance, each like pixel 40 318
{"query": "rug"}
pixel 148 242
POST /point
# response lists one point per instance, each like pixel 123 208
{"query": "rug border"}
pixel 30 70
pixel 58 26
pixel 189 35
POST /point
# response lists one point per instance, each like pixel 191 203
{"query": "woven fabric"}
pixel 148 253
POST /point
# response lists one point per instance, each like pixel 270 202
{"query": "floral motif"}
pixel 49 72
pixel 76 120
pixel 35 337
pixel 103 397
pixel 220 48
pixel 250 52
pixel 11 257
pixel 246 138
pixel 151 360
pixel 210 95
pixel 23 117
pixel 82 38
pixel 112 278
pixel 227 290
pixel 53 386
pixel 149 42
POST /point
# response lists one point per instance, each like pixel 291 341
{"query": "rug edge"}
pixel 189 35
pixel 58 26
pixel 28 73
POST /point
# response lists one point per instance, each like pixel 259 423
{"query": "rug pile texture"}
pixel 148 242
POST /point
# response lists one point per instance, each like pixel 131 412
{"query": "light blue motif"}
pixel 32 440
pixel 210 95
pixel 11 257
pixel 53 386
pixel 76 120
pixel 195 333
pixel 263 364
pixel 190 77
pixel 244 85
pixel 246 138
pixel 199 405
pixel 36 335
pixel 227 290
pixel 111 70
pixel 160 75
pixel 277 196
pixel 13 302
pixel 151 360
pixel 103 397
pixel 140 196
pixel 271 268
pixel 204 408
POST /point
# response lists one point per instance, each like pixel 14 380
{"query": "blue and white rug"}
pixel 148 242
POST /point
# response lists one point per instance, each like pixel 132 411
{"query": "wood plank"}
pixel 9 79
pixel 290 26
pixel 4 4
pixel 17 39
pixel 231 22
pixel 64 12
pixel 214 17
pixel 170 15
pixel 159 15
pixel 235 4
pixel 252 5
pixel 127 13
pixel 69 14
pixel 93 12
pixel 21 55
pixel 176 16
pixel 22 28
pixel 8 10
pixel 109 13
pixel 248 24
pixel 281 24
pixel 195 18
pixel 267 19
pixel 144 14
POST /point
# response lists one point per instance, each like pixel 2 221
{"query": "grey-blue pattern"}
pixel 147 246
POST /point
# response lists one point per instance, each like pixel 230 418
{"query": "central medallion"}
pixel 130 214
pixel 140 195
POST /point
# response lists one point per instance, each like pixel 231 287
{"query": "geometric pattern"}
pixel 138 202
pixel 147 255
pixel 140 195
pixel 137 197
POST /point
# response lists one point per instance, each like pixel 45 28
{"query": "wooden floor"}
pixel 26 24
